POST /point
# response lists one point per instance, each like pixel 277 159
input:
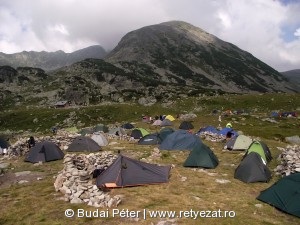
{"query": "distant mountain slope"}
pixel 294 77
pixel 50 60
pixel 181 53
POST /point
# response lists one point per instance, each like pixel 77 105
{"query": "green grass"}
pixel 36 202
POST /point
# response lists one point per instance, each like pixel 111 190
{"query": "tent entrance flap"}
pixel 110 185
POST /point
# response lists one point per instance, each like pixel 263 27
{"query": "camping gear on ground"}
pixel 138 133
pixel 238 143
pixel 150 139
pixel 124 172
pixel 166 122
pixel 186 125
pixel 83 144
pixel 201 156
pixel 44 152
pixel 100 139
pixel 262 149
pixel 180 140
pixel 127 126
pixel 284 194
pixel 252 169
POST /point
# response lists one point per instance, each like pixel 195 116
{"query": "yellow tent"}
pixel 169 117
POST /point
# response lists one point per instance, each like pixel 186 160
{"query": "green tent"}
pixel 201 156
pixel 261 149
pixel 284 194
pixel 138 133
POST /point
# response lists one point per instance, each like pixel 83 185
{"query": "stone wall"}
pixel 75 181
pixel 289 160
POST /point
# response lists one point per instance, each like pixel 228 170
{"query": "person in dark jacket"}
pixel 31 142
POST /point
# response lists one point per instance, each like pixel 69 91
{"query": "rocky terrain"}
pixel 293 76
pixel 50 60
pixel 155 63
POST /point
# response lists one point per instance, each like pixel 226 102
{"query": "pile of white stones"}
pixel 290 160
pixel 75 181
pixel 213 137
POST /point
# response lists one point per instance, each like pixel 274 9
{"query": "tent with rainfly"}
pixel 186 125
pixel 237 143
pixel 284 194
pixel 164 132
pixel 252 169
pixel 138 133
pixel 125 172
pixel 83 144
pixel 44 152
pixel 260 148
pixel 150 139
pixel 201 156
pixel 180 140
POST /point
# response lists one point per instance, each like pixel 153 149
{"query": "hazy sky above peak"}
pixel 268 29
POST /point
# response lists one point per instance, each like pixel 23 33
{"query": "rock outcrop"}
pixel 75 180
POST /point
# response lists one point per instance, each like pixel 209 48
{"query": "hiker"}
pixel 229 125
pixel 54 130
pixel 229 135
pixel 31 142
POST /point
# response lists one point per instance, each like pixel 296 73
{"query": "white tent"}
pixel 157 123
pixel 100 139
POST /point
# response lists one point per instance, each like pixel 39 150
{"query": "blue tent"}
pixel 225 131
pixel 180 140
pixel 210 129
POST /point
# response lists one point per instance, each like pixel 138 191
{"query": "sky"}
pixel 268 29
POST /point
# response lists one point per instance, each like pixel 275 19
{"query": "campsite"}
pixel 157 168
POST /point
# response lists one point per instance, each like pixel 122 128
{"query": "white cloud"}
pixel 253 25
pixel 297 32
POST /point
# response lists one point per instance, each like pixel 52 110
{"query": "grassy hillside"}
pixel 37 202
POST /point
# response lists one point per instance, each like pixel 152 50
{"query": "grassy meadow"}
pixel 36 202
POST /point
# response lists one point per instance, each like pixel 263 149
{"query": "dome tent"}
pixel 180 140
pixel 44 152
pixel 100 139
pixel 284 194
pixel 83 144
pixel 252 169
pixel 201 156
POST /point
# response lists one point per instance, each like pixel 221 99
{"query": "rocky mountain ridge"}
pixel 155 63
pixel 50 60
